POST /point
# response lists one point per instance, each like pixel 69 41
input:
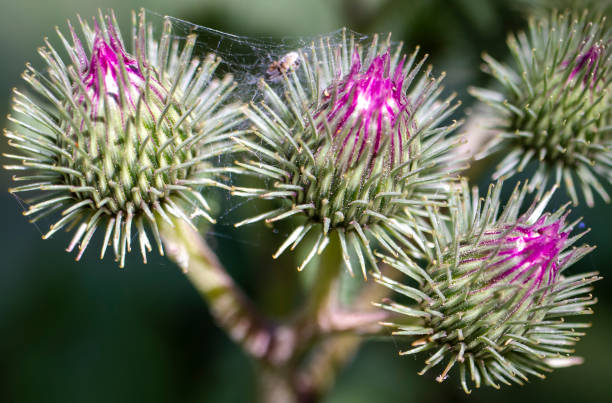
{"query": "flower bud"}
pixel 353 146
pixel 118 139
pixel 494 297
pixel 554 105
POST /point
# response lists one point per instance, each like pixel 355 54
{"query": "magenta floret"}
pixel 524 255
pixel 111 71
pixel 364 108
pixel 589 62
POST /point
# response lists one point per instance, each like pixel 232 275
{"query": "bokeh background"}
pixel 90 332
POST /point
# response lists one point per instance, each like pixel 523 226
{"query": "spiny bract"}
pixel 495 295
pixel 555 104
pixel 350 139
pixel 118 138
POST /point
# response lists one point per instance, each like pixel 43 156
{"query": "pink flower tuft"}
pixel 111 70
pixel 368 110
pixel 534 252
pixel 528 255
pixel 105 64
pixel 589 62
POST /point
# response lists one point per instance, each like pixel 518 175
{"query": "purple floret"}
pixel 589 62
pixel 527 256
pixel 368 107
pixel 111 70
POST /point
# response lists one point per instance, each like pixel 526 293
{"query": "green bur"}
pixel 494 297
pixel 121 140
pixel 352 143
pixel 553 105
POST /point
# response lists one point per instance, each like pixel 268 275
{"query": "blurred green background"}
pixel 90 332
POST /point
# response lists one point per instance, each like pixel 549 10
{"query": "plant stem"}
pixel 276 385
pixel 229 306
pixel 333 353
pixel 332 333
pixel 296 362
pixel 326 282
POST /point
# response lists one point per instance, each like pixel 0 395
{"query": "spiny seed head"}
pixel 495 295
pixel 116 138
pixel 554 107
pixel 350 139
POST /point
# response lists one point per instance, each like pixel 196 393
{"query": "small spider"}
pixel 280 67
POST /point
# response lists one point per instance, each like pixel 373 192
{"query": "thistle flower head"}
pixel 351 141
pixel 554 107
pixel 119 139
pixel 494 297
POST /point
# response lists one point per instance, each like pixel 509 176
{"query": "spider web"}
pixel 248 58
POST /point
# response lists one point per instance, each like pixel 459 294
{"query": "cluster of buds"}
pixel 555 105
pixel 120 139
pixel 495 294
pixel 351 141
pixel 354 146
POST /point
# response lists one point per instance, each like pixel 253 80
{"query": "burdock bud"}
pixel 366 112
pixel 496 294
pixel 554 105
pixel 355 145
pixel 119 139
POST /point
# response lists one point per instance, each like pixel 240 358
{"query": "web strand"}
pixel 248 59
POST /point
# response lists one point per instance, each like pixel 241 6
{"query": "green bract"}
pixel 118 139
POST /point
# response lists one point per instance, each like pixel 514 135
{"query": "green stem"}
pixel 338 331
pixel 326 281
pixel 333 353
pixel 229 306
pixel 296 362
